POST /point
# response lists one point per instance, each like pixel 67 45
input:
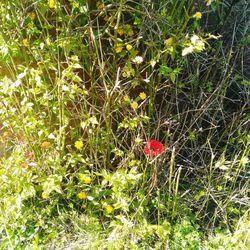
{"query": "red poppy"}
pixel 153 148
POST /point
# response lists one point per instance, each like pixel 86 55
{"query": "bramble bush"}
pixel 124 124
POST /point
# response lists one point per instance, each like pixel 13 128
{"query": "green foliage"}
pixel 84 85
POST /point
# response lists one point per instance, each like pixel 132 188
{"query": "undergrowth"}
pixel 88 89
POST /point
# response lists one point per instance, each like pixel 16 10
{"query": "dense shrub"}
pixel 124 124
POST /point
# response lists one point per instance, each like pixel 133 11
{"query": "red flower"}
pixel 153 148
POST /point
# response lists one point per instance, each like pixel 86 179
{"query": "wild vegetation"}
pixel 124 124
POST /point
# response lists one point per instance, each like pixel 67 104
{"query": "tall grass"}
pixel 85 85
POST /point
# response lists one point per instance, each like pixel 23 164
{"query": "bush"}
pixel 124 124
